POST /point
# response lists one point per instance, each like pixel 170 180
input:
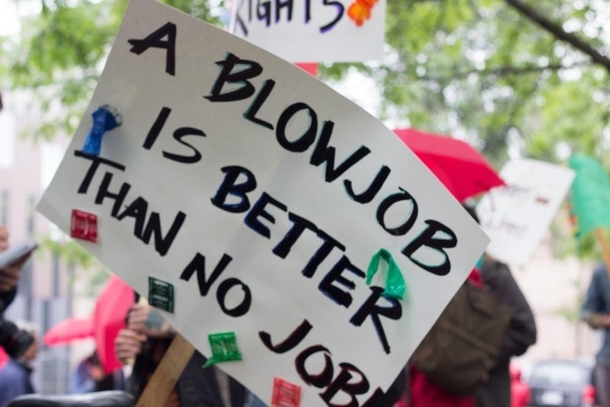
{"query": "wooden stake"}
pixel 167 373
pixel 601 240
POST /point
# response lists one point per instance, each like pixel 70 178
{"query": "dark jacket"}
pixel 520 336
pixel 14 381
pixel 197 387
pixel 598 302
pixel 6 299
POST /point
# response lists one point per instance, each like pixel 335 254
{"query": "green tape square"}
pixel 224 348
pixel 161 294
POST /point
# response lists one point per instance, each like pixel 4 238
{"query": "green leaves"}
pixel 60 53
pixel 474 68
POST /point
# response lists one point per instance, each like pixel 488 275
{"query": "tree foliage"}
pixel 512 77
pixel 60 51
pixel 479 69
pixel 482 70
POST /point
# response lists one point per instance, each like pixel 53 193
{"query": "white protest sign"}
pixel 313 30
pixel 260 195
pixel 515 217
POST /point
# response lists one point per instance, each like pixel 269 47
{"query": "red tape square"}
pixel 83 226
pixel 285 394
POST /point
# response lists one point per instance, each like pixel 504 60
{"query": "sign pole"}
pixel 167 373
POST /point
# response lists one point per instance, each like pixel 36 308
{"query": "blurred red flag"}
pixel 110 312
pixel 69 330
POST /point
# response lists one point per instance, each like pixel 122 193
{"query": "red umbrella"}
pixel 110 311
pixel 69 330
pixel 461 168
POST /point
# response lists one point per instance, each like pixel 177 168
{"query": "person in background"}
pixel 521 333
pixel 422 392
pixel 89 377
pixel 9 276
pixel 84 377
pixel 15 380
pixel 596 313
pixel 146 339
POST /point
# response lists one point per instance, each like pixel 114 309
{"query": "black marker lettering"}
pixel 370 308
pixel 323 153
pixel 321 379
pixel 258 210
pixel 340 10
pixel 198 265
pixel 118 198
pixel 251 70
pixel 391 200
pixel 342 384
pixel 373 189
pixel 146 230
pixel 322 253
pixel 230 187
pixel 307 139
pixel 338 295
pixel 95 163
pixel 238 20
pixel 155 40
pixel 265 15
pixel 427 239
pixel 289 343
pixel 243 307
pixel 156 128
pixel 299 225
pixel 153 230
pixel 279 5
pixel 307 11
pixel 179 134
pixel 137 210
pixel 260 98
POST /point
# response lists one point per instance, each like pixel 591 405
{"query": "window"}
pixel 31 215
pixel 4 204
pixel 56 275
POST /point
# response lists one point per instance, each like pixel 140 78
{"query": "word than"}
pixel 335 284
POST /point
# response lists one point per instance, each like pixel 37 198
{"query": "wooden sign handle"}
pixel 163 381
pixel 601 240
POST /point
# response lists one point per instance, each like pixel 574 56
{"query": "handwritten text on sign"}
pixel 313 30
pixel 517 216
pixel 261 195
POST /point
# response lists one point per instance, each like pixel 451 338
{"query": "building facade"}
pixel 43 295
